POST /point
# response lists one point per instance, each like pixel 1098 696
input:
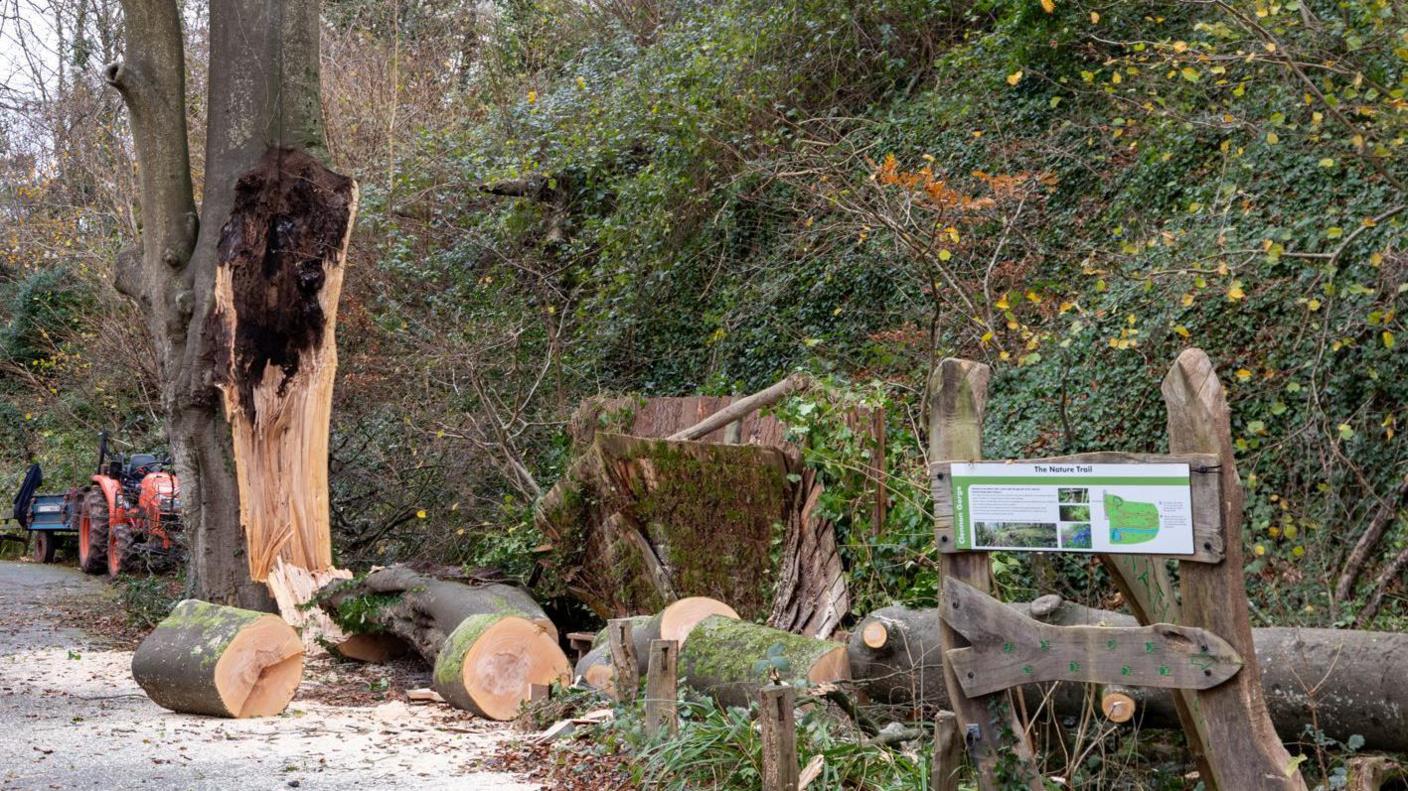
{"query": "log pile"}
pixel 222 661
pixel 669 511
pixel 489 643
pixel 1356 676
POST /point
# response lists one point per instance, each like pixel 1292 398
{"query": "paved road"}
pixel 72 718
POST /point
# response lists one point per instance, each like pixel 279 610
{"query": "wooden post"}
pixel 957 394
pixel 779 737
pixel 623 658
pixel 660 688
pixel 1231 720
pixel 948 753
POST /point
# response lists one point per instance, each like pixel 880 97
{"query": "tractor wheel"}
pixel 121 556
pixel 43 546
pixel 93 533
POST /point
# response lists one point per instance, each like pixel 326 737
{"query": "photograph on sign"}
pixel 1142 509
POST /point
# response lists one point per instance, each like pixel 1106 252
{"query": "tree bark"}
pixel 1350 679
pixel 222 661
pixel 721 659
pixel 424 610
pixel 264 94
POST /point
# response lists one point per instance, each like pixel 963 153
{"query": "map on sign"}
pixel 1073 507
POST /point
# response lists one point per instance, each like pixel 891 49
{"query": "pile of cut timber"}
pixel 489 643
pixel 669 511
pixel 675 622
pixel 221 661
pixel 1353 679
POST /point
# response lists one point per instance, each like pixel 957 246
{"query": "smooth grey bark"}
pixel 264 92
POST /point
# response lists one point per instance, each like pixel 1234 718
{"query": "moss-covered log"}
pixel 675 622
pixel 422 609
pixel 722 659
pixel 490 662
pixel 1357 675
pixel 489 643
pixel 222 661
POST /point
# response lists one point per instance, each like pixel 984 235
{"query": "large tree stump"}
pixel 271 329
pixel 223 661
pixel 721 659
pixel 638 520
pixel 490 663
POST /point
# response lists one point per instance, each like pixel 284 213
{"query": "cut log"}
pixel 596 671
pixel 222 661
pixel 721 659
pixel 675 622
pixel 421 609
pixel 1357 675
pixel 489 643
pixel 490 663
pixel 372 648
pixel 272 331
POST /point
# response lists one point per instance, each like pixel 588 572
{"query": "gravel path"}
pixel 72 718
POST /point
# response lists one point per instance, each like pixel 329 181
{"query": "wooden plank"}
pixel 948 752
pixel 623 658
pixel 1232 723
pixel 1009 649
pixel 779 732
pixel 661 688
pixel 1204 483
pixel 958 393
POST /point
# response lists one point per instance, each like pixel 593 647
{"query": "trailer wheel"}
pixel 93 532
pixel 43 546
pixel 120 555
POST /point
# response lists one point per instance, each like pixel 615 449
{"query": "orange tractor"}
pixel 130 514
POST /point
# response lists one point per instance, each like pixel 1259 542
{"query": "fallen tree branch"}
pixel 744 407
pixel 1354 565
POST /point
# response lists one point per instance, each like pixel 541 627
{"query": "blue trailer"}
pixel 45 517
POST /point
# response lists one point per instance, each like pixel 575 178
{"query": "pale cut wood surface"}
pixel 958 393
pixel 1243 750
pixel 1009 649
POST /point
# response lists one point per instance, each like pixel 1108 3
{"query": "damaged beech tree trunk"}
pixel 278 277
pixel 264 128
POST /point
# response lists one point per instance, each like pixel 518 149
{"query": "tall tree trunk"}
pixel 264 96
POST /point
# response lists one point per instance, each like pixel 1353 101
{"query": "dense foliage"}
pixel 665 196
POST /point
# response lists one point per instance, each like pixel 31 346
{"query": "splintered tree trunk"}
pixel 264 102
pixel 272 328
pixel 722 655
pixel 489 644
pixel 221 661
pixel 1352 679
